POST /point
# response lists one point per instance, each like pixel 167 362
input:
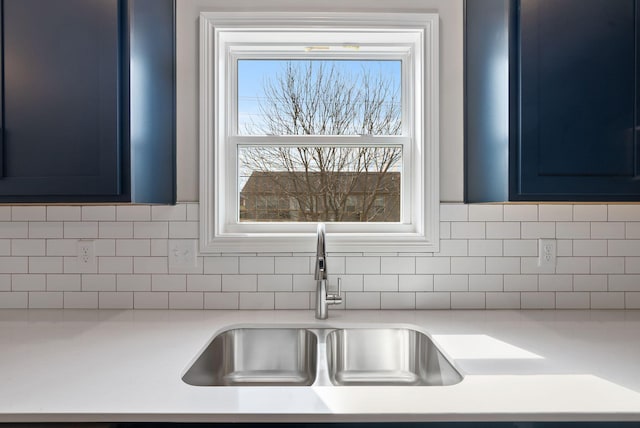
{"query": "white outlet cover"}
pixel 182 253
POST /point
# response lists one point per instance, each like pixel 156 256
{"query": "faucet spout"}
pixel 321 254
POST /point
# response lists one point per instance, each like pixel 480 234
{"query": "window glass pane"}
pixel 331 184
pixel 319 97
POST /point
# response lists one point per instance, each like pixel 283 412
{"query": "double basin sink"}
pixel 321 357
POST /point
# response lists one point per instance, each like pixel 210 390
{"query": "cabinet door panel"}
pixel 577 107
pixel 61 95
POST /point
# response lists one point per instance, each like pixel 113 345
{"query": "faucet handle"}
pixel 335 299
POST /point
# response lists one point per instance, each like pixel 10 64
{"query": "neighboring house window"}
pixel 310 118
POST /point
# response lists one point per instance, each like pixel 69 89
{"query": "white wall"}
pixel 451 96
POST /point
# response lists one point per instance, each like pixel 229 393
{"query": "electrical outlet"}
pixel 86 252
pixel 182 253
pixel 547 252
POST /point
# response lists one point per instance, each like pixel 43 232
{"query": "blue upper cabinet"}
pixel 568 101
pixel 70 120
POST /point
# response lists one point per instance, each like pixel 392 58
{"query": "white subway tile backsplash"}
pixel 433 265
pixel 46 300
pixel 555 283
pixel 513 283
pixel 169 212
pixel 468 301
pixel 555 212
pixel 149 264
pixel 624 283
pixel 399 301
pixel 538 300
pixel 486 283
pixel 454 212
pixel 237 283
pixel 133 213
pixel 168 282
pixel 80 230
pixel 102 282
pixel 259 300
pixel 573 265
pixel 629 247
pixel 42 229
pixel 596 248
pixel 257 265
pixel 222 301
pixel 611 230
pixel 506 300
pixel 148 229
pixel 28 213
pixel 292 301
pixel 608 300
pixel 451 282
pixel 14 264
pixel 365 300
pixel 15 229
pixel 433 300
pixel 578 230
pixel 115 300
pixel 537 230
pixel 397 265
pixel 380 283
pixel 520 248
pixel 486 212
pixel 573 300
pixel 207 283
pixel 150 300
pixel 415 283
pixel 186 300
pixel 28 247
pixel 488 259
pixel 99 213
pixel 486 247
pixel 25 282
pixel 363 265
pixel 275 283
pixel 589 213
pixel 80 300
pixel 5 283
pixel 454 247
pixel 46 265
pixel 64 282
pixel 471 230
pixel 63 213
pixel 468 265
pixel 112 229
pixel 590 282
pixel 624 213
pixel 503 265
pixel 607 265
pixel 118 265
pixel 17 300
pixel 520 212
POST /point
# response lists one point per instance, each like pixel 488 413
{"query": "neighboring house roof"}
pixel 278 182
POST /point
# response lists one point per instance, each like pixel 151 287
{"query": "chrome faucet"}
pixel 323 298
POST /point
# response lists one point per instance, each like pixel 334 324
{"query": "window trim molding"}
pixel 422 236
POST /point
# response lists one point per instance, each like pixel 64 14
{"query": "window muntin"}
pixel 227 39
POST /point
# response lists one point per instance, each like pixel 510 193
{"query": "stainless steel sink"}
pixel 257 356
pixel 386 356
pixel 321 357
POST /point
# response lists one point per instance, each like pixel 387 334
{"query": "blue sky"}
pixel 252 73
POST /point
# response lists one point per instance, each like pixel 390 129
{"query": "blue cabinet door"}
pixel 577 108
pixel 61 74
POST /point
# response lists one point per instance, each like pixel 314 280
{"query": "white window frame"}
pixel 227 36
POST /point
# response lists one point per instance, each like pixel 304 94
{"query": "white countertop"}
pixel 126 366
